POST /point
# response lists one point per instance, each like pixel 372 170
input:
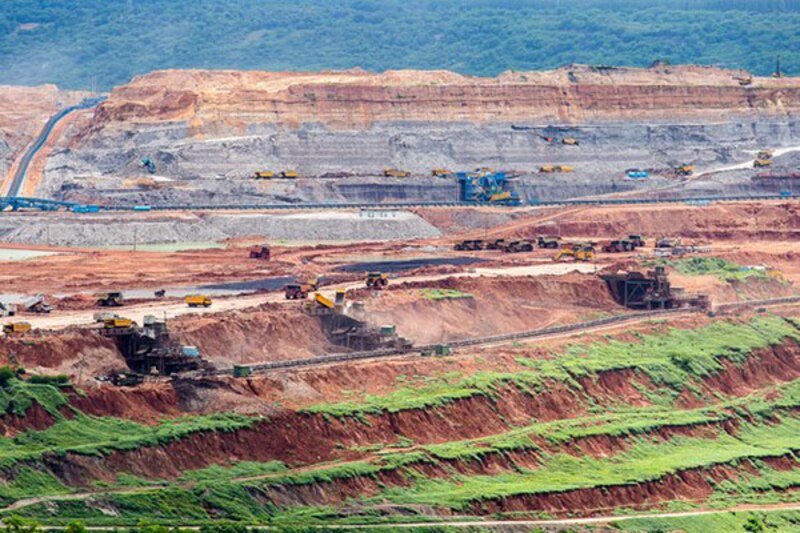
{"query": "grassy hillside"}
pixel 692 439
pixel 78 44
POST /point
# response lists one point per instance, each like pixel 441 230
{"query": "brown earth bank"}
pixel 73 352
pixel 742 221
pixel 270 332
pixel 492 306
pixel 302 438
pixel 219 102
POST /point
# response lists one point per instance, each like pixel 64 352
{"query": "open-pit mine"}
pixel 555 301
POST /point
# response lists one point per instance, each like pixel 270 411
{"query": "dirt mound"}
pixel 427 313
pixel 73 352
pixel 271 332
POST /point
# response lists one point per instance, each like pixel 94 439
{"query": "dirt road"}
pixel 172 309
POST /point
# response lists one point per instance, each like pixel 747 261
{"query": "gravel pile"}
pixel 69 229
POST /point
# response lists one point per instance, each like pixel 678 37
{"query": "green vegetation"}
pixel 444 294
pixel 745 522
pixel 38 38
pixel 536 457
pixel 17 396
pixel 673 360
pixel 723 269
pixel 89 435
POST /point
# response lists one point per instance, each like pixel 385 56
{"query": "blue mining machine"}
pixel 486 187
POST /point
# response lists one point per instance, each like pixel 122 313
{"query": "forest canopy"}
pixel 101 43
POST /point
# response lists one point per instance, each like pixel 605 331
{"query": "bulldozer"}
pixel 299 291
pixel 395 173
pixel 575 251
pixel 518 246
pixel 760 163
pixel 17 328
pixel 198 300
pixel 109 299
pixel 260 252
pixel 684 170
pixel 263 175
pixel 377 280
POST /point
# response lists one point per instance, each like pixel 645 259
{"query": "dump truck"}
pixel 469 245
pixel 198 300
pixel 618 246
pixel 576 252
pixel 36 304
pixel 760 163
pixel 288 174
pixel 548 241
pixel 547 169
pixel 636 240
pixel 108 299
pixel 497 244
pixel 518 246
pixel 299 291
pixel 263 175
pixel 377 280
pixel 570 141
pixel 441 173
pixel 118 322
pixel 395 173
pixel 765 154
pixel 17 328
pixel 684 170
pixel 260 252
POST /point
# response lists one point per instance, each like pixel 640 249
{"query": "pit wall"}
pixel 314 150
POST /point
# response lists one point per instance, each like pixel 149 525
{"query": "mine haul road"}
pixel 58 320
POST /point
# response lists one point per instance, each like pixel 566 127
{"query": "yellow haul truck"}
pixel 198 300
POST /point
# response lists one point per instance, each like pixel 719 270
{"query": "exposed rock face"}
pixel 232 102
pixel 211 129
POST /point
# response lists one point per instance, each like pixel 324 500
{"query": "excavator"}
pixel 575 251
pixel 684 170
